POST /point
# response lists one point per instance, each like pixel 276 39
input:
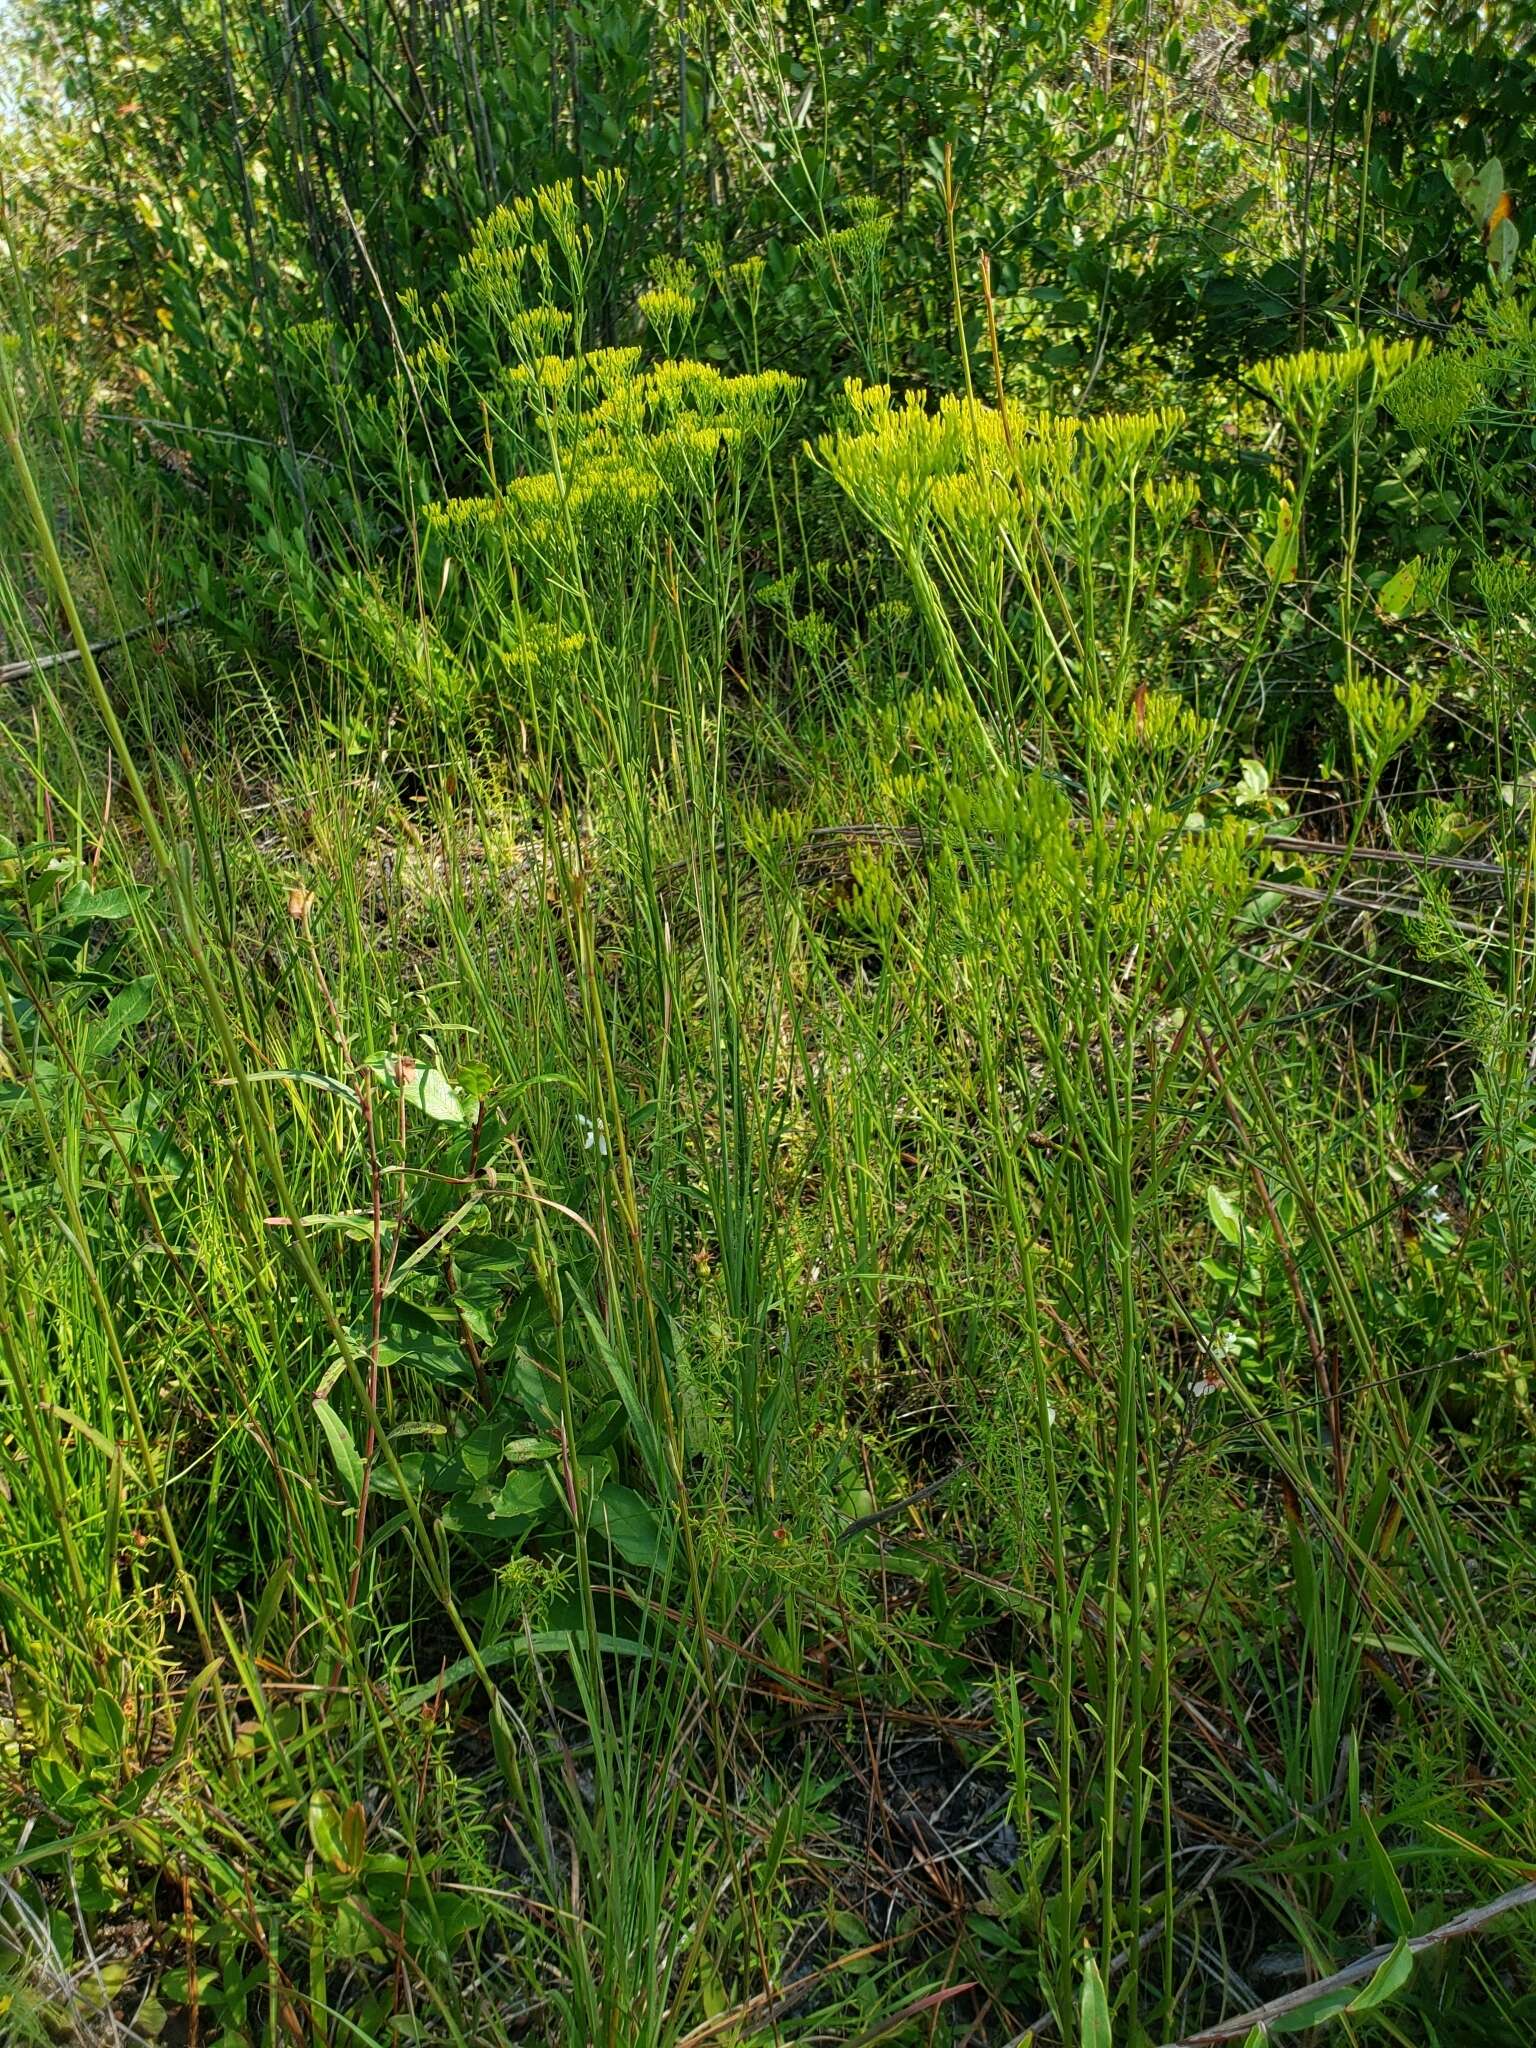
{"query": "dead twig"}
pixel 1473 1921
pixel 39 664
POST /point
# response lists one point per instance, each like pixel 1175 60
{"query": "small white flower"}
pixel 593 1135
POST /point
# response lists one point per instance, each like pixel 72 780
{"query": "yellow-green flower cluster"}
pixel 673 273
pixel 672 300
pixel 728 277
pixel 1304 388
pixel 747 278
pixel 313 335
pixel 1382 717
pixel 491 276
pixel 664 308
pixel 572 381
pixel 814 634
pixel 1026 822
pixel 1210 871
pixel 1156 722
pixel 627 439
pixel 521 250
pixel 543 650
pixel 983 473
pixel 859 246
pixel 781 591
pixel 890 460
pixel 543 516
pixel 974 510
pixel 555 210
pixel 537 326
pixel 432 355
pixel 766 832
pixel 1170 500
pixel 855 252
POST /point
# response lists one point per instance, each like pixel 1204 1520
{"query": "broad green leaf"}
pixel 1252 782
pixel 603 1427
pixel 151 2018
pixel 127 1009
pixel 630 1526
pixel 1225 1214
pixel 529 1490
pixel 1487 189
pixel 84 901
pixel 425 1087
pixel 343 1450
pixel 178 1985
pixel 1326 2006
pixel 1396 595
pixel 408 1335
pixel 337 1835
pixel 537 1387
pixel 1391 1974
pixel 432 1093
pixel 1093 2011
pixel 1390 1977
pixel 481 1451
pixel 524 1450
pixel 1387 1890
pixel 1460 175
pixel 477 1517
pixel 354 1835
pixel 1415 586
pixel 324 1817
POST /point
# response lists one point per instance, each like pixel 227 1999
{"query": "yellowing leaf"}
pixel 1280 555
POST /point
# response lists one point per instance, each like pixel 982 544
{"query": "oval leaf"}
pixel 630 1526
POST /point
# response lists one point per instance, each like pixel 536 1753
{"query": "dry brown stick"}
pixel 38 664
pixel 1332 849
pixel 1473 1921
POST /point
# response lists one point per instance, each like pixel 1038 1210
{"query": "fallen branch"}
pixel 38 664
pixel 1332 849
pixel 1473 1921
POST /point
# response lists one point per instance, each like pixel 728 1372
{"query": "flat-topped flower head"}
pixel 1124 441
pixel 668 312
pixel 858 248
pixel 536 327
pixel 1304 388
pixel 543 650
